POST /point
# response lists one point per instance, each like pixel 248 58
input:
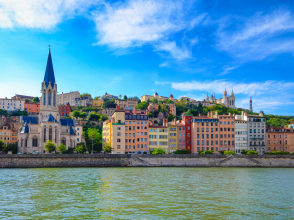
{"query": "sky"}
pixel 135 48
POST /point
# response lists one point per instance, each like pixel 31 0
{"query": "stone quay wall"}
pixel 113 160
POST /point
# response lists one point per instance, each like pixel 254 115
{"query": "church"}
pixel 228 101
pixel 36 130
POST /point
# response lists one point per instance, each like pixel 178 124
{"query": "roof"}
pixel 66 122
pixel 30 119
pixel 25 96
pixel 25 128
pixel 71 131
pixel 50 118
pixel 49 73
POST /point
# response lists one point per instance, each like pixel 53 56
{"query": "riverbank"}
pixel 113 160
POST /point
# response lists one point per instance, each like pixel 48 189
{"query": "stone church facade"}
pixel 36 130
pixel 228 101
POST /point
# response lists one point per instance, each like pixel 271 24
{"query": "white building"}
pixel 12 104
pixel 65 98
pixel 83 101
pixel 241 136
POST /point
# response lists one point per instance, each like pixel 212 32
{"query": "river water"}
pixel 147 193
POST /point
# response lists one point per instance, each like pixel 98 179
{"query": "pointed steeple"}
pixel 49 73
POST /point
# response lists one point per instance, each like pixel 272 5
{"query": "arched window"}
pixel 21 143
pixel 54 99
pixel 26 142
pixel 50 133
pixel 44 134
pixel 49 98
pixel 63 141
pixel 35 142
pixel 55 134
pixel 44 96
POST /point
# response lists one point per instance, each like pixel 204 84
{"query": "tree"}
pixel 252 152
pixel 171 117
pixel 27 100
pixel 83 115
pixel 85 95
pixel 80 149
pixel 2 145
pixel 13 147
pixel 158 151
pixel 120 96
pixel 125 97
pixel 97 97
pixel 50 146
pixel 142 106
pixel 36 99
pixel 107 148
pixel 182 151
pixel 154 101
pixel 97 139
pixel 61 148
pixel 229 152
pixel 76 114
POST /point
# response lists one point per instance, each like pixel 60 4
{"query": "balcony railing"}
pixel 256 138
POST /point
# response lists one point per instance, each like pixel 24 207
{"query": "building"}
pixel 106 132
pixel 79 133
pixel 36 130
pixel 280 139
pixel 109 97
pixel 69 97
pixel 136 137
pixel 32 108
pixel 64 110
pixel 227 132
pixel 256 128
pixel 145 98
pixel 158 137
pixel 205 134
pixel 129 103
pixel 8 134
pixel 98 103
pixel 12 104
pixel 172 137
pixel 108 112
pixel 83 101
pixel 22 97
pixel 241 136
pixel 181 136
pixel 228 101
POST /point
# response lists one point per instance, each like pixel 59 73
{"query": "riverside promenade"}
pixel 164 160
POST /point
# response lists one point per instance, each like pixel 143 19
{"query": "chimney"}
pixel 242 113
pixel 282 127
pixel 229 113
pixel 291 128
pixel 134 111
pixel 272 129
pixel 216 114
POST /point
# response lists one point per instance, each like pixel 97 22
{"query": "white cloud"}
pixel 256 40
pixel 218 86
pixel 41 14
pixel 179 53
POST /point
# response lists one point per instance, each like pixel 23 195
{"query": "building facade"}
pixel 32 108
pixel 145 98
pixel 280 139
pixel 172 138
pixel 256 133
pixel 65 98
pixel 22 97
pixel 158 137
pixel 8 134
pixel 126 103
pixel 11 105
pixel 64 110
pixel 36 130
pixel 98 103
pixel 108 112
pixel 83 101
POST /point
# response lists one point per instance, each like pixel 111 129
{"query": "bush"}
pixel 61 148
pixel 70 150
pixel 221 152
pixel 252 152
pixel 229 152
pixel 50 146
pixel 158 151
pixel 278 153
pixel 244 151
pixel 182 151
pixel 209 152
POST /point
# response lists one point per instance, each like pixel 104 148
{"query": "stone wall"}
pixel 112 160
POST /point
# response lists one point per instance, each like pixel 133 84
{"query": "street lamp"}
pixel 92 146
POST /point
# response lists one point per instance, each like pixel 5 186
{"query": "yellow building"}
pixel 158 137
pixel 98 103
pixel 106 133
pixel 172 138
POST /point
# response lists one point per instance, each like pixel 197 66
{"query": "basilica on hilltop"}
pixel 228 101
pixel 36 130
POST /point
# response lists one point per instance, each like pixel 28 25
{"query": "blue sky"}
pixel 133 48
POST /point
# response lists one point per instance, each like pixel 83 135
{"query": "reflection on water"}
pixel 147 193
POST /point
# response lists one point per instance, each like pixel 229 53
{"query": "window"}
pixel 118 140
pixel 118 133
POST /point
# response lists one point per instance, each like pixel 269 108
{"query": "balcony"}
pixel 256 138
pixel 257 145
pixel 118 123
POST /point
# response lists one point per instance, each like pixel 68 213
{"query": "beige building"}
pixel 126 103
pixel 241 137
pixel 108 112
pixel 118 132
pixel 79 132
pixel 97 103
pixel 83 101
pixel 158 137
pixel 145 98
pixel 65 98
pixel 12 104
pixel 22 97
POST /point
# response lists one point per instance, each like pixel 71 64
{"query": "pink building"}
pixel 181 136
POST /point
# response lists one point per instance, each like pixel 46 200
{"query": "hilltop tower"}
pixel 250 102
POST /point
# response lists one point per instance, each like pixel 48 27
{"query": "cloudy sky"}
pixel 184 48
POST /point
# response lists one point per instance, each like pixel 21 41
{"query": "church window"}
pixel 26 142
pixel 63 141
pixel 49 98
pixel 50 133
pixel 35 142
pixel 55 135
pixel 44 134
pixel 44 95
pixel 54 99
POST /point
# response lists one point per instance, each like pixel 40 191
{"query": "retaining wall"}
pixel 112 160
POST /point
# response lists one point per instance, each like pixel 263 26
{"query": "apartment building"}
pixel 173 109
pixel 172 137
pixel 109 97
pixel 280 139
pixel 241 136
pixel 136 136
pixel 126 103
pixel 79 133
pixel 22 97
pixel 205 134
pixel 106 132
pixel 98 103
pixel 65 98
pixel 227 132
pixel 256 133
pixel 158 137
pixel 32 108
pixel 83 101
pixel 8 134
pixel 181 136
pixel 145 98
pixel 108 112
pixel 64 110
pixel 12 104
pixel 118 132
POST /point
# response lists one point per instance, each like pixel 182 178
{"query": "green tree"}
pixel 154 101
pixel 50 146
pixel 27 100
pixel 252 152
pixel 229 152
pixel 142 106
pixel 70 150
pixel 107 148
pixel 85 95
pixel 171 117
pixel 36 99
pixel 189 112
pixel 80 149
pixel 13 147
pixel 97 97
pixel 61 148
pixel 120 96
pixel 182 151
pixel 94 133
pixel 83 115
pixel 125 97
pixel 2 145
pixel 158 151
pixel 76 114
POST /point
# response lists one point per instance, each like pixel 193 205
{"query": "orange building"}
pixel 32 108
pixel 279 139
pixel 227 132
pixel 8 134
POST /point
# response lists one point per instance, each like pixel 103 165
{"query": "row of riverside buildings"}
pixel 131 132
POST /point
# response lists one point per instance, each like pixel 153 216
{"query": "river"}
pixel 147 193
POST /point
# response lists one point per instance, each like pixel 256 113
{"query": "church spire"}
pixel 49 73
